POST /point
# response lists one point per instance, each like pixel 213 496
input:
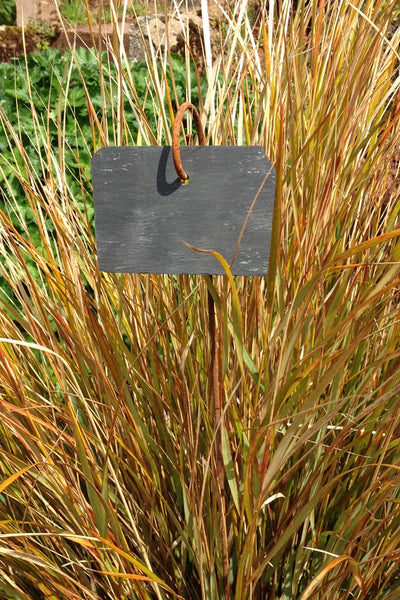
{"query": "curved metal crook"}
pixel 176 155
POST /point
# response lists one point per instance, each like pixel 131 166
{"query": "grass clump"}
pixel 8 12
pixel 76 12
pixel 111 450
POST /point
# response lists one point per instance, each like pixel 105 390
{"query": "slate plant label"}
pixel 144 214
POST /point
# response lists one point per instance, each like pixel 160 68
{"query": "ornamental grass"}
pixel 120 477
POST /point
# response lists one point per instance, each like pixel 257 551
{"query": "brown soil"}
pixel 12 44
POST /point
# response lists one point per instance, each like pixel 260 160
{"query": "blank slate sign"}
pixel 144 214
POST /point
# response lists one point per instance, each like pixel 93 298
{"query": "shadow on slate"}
pixel 144 214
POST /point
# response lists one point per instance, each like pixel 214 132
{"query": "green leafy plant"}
pixel 123 475
pixel 45 32
pixel 73 11
pixel 8 13
pixel 51 81
pixel 76 12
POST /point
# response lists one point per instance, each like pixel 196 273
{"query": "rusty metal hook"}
pixel 176 155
